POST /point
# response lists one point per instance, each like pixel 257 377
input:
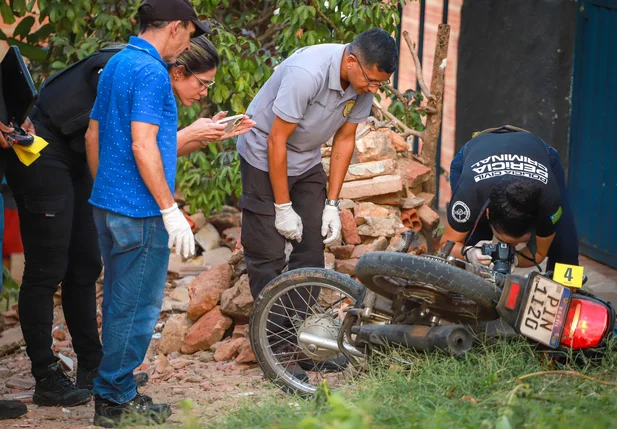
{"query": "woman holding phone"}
pixel 56 221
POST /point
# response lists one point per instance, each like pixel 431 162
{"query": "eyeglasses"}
pixel 369 81
pixel 204 84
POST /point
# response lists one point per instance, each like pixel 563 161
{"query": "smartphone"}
pixel 232 122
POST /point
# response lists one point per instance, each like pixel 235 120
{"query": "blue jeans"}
pixel 564 247
pixel 135 257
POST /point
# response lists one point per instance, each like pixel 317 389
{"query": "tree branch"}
pixel 397 94
pixel 328 21
pixel 266 16
pixel 416 60
pixel 406 130
pixel 427 109
pixel 272 30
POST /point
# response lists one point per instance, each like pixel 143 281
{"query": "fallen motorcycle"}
pixel 312 324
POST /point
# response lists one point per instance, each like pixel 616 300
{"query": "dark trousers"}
pixel 564 248
pixel 60 247
pixel 264 247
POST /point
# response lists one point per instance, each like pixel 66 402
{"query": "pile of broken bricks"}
pixel 383 195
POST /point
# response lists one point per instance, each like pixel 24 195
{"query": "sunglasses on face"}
pixel 206 85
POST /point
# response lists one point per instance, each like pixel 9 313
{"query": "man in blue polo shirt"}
pixel 131 146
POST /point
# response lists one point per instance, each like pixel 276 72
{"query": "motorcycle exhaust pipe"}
pixel 324 343
pixel 453 339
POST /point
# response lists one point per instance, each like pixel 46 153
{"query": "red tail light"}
pixel 586 324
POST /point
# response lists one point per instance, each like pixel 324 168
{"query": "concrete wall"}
pixel 515 66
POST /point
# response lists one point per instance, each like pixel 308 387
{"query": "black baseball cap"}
pixel 172 10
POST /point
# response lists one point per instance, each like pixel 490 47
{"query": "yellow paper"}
pixel 569 275
pixel 28 154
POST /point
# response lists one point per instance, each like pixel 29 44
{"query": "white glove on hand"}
pixel 287 222
pixel 475 256
pixel 330 222
pixel 179 230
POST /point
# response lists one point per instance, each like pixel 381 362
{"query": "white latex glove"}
pixel 287 222
pixel 475 256
pixel 179 230
pixel 331 222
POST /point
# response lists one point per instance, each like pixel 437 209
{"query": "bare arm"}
pixel 342 150
pixel 149 162
pixel 277 158
pixel 206 130
pixel 92 146
pixel 543 243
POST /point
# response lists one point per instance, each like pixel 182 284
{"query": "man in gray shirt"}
pixel 319 92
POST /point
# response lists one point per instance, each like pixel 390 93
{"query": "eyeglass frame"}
pixel 368 81
pixel 206 86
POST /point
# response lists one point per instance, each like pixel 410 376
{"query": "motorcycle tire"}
pixel 265 301
pixel 427 271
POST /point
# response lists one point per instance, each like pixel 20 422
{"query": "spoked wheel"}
pixel 447 291
pixel 294 327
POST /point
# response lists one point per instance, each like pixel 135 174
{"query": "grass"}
pixel 480 390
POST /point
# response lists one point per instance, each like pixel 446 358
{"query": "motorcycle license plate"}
pixel 544 313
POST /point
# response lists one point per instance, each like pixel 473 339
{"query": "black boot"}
pixel 140 410
pixel 55 388
pixel 85 378
pixel 12 409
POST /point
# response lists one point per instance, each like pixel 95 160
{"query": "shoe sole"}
pixel 44 402
pixel 106 422
pixel 13 414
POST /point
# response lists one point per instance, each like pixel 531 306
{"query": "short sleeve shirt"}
pixel 305 89
pixel 134 87
pixel 490 158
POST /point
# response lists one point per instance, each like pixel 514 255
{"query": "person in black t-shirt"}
pixel 508 184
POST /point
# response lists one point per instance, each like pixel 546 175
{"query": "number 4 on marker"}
pixel 568 275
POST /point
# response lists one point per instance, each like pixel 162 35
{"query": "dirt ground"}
pixel 213 387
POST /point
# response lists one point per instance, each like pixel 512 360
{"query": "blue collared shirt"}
pixel 134 86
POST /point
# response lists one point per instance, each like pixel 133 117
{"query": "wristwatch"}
pixel 333 203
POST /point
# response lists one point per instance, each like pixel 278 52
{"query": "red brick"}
pixel 367 170
pixel 350 230
pixel 347 266
pixel 412 173
pixel 208 330
pixel 368 188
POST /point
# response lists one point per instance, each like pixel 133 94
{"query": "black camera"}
pixel 502 255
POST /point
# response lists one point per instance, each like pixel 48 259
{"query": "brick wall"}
pixel 407 73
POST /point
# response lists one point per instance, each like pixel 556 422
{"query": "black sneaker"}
pixel 337 364
pixel 140 410
pixel 12 409
pixel 56 389
pixel 85 378
pixel 288 356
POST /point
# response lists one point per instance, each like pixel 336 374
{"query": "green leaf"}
pixel 41 34
pixel 19 6
pixel 24 27
pixel 30 6
pixel 34 53
pixel 7 13
pixel 58 65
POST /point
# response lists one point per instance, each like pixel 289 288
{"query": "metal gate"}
pixel 593 133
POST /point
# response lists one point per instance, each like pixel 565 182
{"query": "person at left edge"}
pixel 9 409
pixel 131 146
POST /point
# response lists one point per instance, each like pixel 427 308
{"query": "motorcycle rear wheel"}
pixel 373 267
pixel 279 354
